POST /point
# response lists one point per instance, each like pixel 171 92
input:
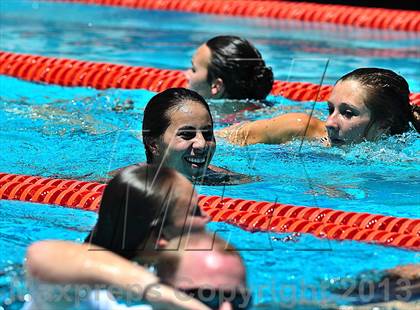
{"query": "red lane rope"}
pixel 67 193
pixel 229 208
pixel 281 224
pixel 248 214
pixel 310 12
pixel 71 72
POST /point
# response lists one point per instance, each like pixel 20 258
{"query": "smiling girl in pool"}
pixel 364 105
pixel 178 133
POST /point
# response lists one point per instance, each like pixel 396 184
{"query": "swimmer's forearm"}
pixel 277 130
pixel 67 262
pixel 260 131
pixel 61 262
pixel 243 133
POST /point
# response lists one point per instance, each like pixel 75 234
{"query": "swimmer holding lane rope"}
pixel 364 105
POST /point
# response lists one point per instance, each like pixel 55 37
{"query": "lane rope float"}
pixel 66 193
pixel 312 214
pixel 247 214
pixel 280 224
pixel 71 72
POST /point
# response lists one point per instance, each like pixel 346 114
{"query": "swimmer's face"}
pixel 187 216
pixel 188 143
pixel 212 276
pixel 197 74
pixel 349 119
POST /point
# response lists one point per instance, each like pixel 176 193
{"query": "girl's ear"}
pixel 217 88
pixel 161 243
pixel 153 147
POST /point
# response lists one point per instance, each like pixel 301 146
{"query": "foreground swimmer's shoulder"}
pixel 214 176
pixel 113 173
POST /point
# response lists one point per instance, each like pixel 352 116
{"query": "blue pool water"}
pixel 75 133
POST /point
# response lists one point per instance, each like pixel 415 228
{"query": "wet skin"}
pixel 197 74
pixel 188 143
pixel 187 215
pixel 349 119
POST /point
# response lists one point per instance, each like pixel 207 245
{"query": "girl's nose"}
pixel 199 141
pixel 331 123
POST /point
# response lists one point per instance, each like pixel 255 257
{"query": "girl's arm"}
pixel 62 262
pixel 275 130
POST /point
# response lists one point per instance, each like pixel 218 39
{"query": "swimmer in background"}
pixel 199 272
pixel 230 67
pixel 364 105
pixel 178 133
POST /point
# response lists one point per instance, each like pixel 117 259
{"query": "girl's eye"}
pixel 187 135
pixel 193 69
pixel 348 114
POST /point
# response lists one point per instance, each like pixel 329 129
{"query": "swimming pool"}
pixel 74 132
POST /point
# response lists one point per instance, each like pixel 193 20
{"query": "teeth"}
pixel 196 160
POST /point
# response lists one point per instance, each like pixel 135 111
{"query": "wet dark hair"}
pixel 157 113
pixel 241 67
pixel 387 98
pixel 133 204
